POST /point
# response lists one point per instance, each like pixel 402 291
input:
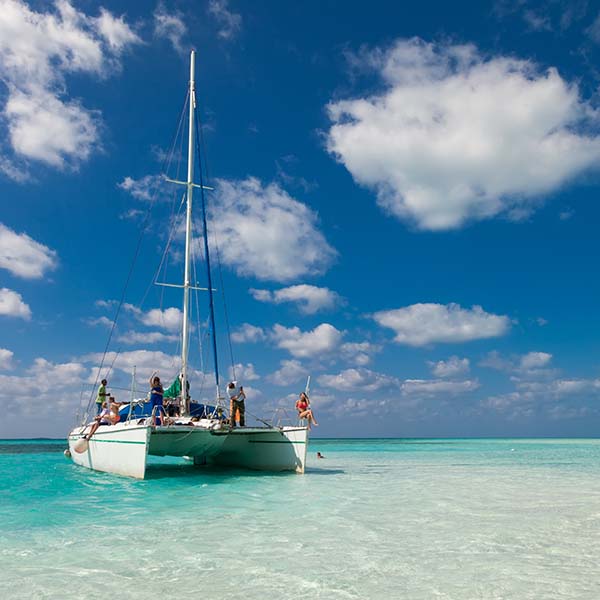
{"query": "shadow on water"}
pixel 217 473
pixel 318 471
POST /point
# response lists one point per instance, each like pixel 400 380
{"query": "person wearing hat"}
pixel 101 397
pixel 236 402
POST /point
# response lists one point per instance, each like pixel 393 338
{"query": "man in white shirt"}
pixel 236 403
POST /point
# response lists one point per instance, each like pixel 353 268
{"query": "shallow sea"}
pixel 455 519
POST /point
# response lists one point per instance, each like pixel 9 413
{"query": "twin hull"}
pixel 123 448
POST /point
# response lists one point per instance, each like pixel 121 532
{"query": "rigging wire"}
pixel 207 258
pixel 202 153
pixel 138 246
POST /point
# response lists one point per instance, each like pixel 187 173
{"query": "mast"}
pixel 188 243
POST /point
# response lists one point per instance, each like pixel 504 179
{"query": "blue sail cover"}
pixel 144 409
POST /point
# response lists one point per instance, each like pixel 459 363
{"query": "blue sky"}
pixel 405 207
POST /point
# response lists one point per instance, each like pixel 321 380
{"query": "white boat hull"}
pixel 265 449
pixel 120 449
pixel 123 448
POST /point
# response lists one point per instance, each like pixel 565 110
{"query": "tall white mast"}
pixel 188 242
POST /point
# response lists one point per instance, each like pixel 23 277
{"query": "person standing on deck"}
pixel 236 402
pixel 156 398
pixel 102 396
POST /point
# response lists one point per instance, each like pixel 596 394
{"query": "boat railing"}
pixel 282 418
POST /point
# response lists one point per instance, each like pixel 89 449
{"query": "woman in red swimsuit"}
pixel 304 410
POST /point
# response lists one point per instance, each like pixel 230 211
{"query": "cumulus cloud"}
pixel 303 344
pixel 12 305
pixel 230 22
pixel 309 298
pixel 170 25
pixel 262 232
pixel 364 380
pixel 45 128
pixel 425 387
pixel 37 51
pixel 422 324
pixel 290 371
pixel 99 321
pixel 449 368
pixel 248 333
pixel 359 353
pixel 23 256
pixel 31 395
pixel 535 360
pixel 269 234
pixel 115 31
pixel 145 188
pixel 6 357
pixel 457 136
pixel 145 337
pixel 241 372
pixel 532 365
pixel 144 361
pixel 168 318
pixel 556 398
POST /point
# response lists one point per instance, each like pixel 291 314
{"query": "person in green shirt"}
pixel 101 397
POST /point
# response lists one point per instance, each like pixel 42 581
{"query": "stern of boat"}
pixel 265 448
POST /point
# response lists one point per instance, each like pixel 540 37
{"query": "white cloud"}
pixel 533 365
pixel 265 233
pixel 456 136
pixel 248 333
pixel 535 360
pixel 359 379
pixel 424 387
pixel 37 51
pixel 359 353
pixel 422 324
pixel 290 371
pixel 115 31
pixel 302 344
pixel 145 188
pixel 30 395
pixel 102 321
pixel 170 26
pixel 145 337
pixel 309 298
pixel 168 318
pixel 449 368
pixel 23 256
pixel 12 305
pixel 557 399
pixel 229 21
pixel 6 357
pixel 145 362
pixel 46 128
pixel 243 372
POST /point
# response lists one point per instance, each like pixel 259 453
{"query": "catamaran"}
pixel 202 433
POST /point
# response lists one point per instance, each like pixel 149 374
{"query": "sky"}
pixel 404 207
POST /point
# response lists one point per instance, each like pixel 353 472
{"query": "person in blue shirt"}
pixel 156 398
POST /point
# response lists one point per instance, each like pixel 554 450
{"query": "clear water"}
pixel 375 519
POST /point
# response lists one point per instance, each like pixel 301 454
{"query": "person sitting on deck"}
pixel 156 398
pixel 236 403
pixel 108 416
pixel 304 409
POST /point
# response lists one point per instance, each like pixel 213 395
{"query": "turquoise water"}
pixel 375 519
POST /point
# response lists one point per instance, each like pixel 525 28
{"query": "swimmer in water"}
pixel 319 455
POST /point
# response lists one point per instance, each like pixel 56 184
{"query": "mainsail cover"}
pixel 174 390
